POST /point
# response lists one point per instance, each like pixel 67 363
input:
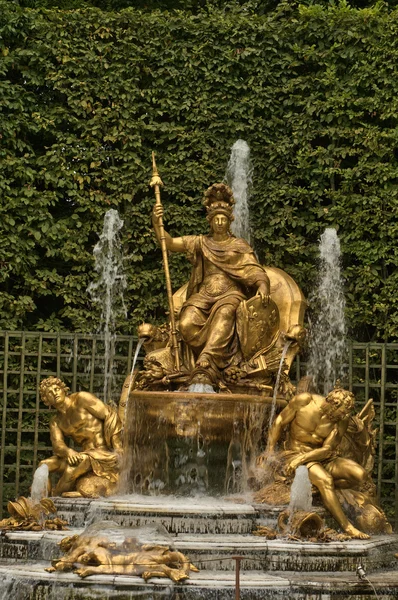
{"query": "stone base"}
pixel 32 583
pixel 211 531
pixel 215 552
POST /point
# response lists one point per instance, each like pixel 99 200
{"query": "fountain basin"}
pixel 208 530
pixel 188 443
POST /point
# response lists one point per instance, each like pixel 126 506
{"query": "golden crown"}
pixel 219 198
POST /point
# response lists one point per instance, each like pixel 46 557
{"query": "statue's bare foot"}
pixel 74 494
pixel 203 363
pixel 60 565
pixel 355 533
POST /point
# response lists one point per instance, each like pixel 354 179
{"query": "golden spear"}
pixel 156 182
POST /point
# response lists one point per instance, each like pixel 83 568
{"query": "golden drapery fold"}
pixel 234 257
pixel 105 461
pixel 224 273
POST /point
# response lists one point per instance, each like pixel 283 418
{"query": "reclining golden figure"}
pixel 95 553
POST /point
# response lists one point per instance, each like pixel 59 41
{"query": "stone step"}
pixel 212 553
pixel 177 515
pixel 31 582
pixel 215 552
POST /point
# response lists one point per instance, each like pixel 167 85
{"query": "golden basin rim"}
pixel 217 397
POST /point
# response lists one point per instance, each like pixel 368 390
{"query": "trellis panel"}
pixel 28 357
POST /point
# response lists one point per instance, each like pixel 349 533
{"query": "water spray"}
pixel 239 178
pixel 107 290
pixel 327 341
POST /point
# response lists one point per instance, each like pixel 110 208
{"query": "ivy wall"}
pixel 87 95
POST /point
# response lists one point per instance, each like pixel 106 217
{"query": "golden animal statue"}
pixel 95 427
pixel 321 434
pixel 29 516
pixel 95 552
pixel 230 324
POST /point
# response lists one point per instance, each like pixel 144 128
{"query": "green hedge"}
pixel 193 6
pixel 87 95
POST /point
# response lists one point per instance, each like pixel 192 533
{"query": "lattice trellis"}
pixel 25 359
pixel 28 357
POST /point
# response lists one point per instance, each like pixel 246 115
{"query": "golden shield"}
pixel 257 326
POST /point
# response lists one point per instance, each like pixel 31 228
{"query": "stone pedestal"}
pixel 211 532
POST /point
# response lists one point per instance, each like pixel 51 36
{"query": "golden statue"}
pixel 229 324
pixel 317 429
pixel 224 267
pixel 94 552
pixel 94 426
pixel 29 516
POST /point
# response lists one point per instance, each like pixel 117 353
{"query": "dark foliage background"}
pixel 88 94
pixel 194 6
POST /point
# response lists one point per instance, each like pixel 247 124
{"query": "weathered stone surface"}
pixel 33 583
pixel 211 532
pixel 215 552
pixel 177 515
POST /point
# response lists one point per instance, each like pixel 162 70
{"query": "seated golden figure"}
pixel 225 272
pixel 233 325
pixel 316 431
pixel 214 315
pixel 92 425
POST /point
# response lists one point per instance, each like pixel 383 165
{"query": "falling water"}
pixel 276 386
pixel 271 463
pixel 107 291
pixel 239 177
pixel 201 388
pixel 327 343
pixel 137 351
pixel 24 586
pixel 125 466
pixel 301 491
pixel 39 484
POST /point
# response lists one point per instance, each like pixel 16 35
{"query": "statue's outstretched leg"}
pixel 325 484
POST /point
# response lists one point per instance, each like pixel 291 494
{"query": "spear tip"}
pixel 155 181
pixel 154 168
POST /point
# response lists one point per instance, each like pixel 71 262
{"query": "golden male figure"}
pixel 150 561
pixel 91 424
pixel 316 428
pixel 225 272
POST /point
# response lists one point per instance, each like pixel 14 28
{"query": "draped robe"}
pixel 224 273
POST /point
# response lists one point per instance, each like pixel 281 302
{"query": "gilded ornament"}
pixel 27 516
